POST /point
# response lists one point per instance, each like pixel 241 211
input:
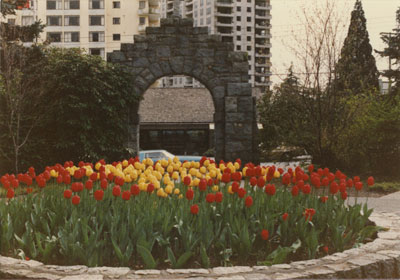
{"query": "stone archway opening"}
pixel 178 48
pixel 177 115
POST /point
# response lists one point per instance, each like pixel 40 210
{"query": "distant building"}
pixel 246 24
pixel 383 86
pixel 99 26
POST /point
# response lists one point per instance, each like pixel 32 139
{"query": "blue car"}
pixel 156 155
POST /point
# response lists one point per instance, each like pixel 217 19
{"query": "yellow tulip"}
pixel 199 175
pixel 168 189
pixel 156 185
pixel 213 174
pixel 186 165
pixel 203 170
pixel 206 162
pixel 177 191
pixel 197 165
pixel 125 163
pixel 97 166
pixel 119 166
pixel 128 178
pixel 160 192
pixel 164 163
pixel 170 169
pixel 180 196
pixel 244 170
pixel 143 186
pixel 175 175
pixel 277 174
pixel 230 190
pixel 215 188
pixel 196 181
pixel 237 165
pixel 137 165
pixel 53 173
pixel 175 159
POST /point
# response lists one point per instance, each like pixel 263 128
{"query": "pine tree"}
pixel 392 52
pixel 356 69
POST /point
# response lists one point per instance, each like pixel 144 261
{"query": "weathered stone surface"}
pixel 75 269
pixel 255 276
pixel 235 277
pixel 148 272
pixel 112 272
pixel 176 47
pixel 370 268
pixel 282 266
pixel 84 276
pixel 188 271
pixel 231 270
pixel 292 275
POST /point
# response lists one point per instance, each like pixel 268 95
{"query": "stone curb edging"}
pixel 377 259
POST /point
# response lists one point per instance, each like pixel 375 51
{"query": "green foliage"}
pixel 356 69
pixel 83 109
pixel 372 142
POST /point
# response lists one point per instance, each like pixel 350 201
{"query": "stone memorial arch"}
pixel 178 48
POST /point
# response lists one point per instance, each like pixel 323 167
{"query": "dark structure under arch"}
pixel 178 48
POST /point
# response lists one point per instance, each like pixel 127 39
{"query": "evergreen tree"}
pixel 392 51
pixel 356 69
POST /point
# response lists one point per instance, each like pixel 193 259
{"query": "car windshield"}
pixel 169 155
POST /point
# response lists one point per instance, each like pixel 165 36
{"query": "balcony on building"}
pixel 263 15
pixel 224 21
pixel 224 3
pixel 263 5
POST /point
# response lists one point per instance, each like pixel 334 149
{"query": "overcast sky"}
pixel 380 16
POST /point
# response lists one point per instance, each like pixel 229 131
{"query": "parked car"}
pixel 156 155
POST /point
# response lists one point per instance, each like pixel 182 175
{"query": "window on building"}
pixel 97 51
pixel 11 21
pixel 116 37
pixel 249 28
pixel 27 20
pixel 249 48
pixel 142 20
pixel 238 48
pixel 54 37
pixel 238 18
pixel 71 37
pixel 238 9
pixel 116 4
pixel 96 4
pixel 249 38
pixel 249 9
pixel 248 19
pixel 208 20
pixel 96 20
pixel 238 28
pixel 238 38
pixel 54 21
pixel 202 21
pixel 116 20
pixel 72 4
pixel 71 20
pixel 96 36
pixel 142 4
pixel 201 12
pixel 54 4
pixel 208 10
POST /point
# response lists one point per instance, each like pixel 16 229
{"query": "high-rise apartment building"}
pixel 245 23
pixel 99 26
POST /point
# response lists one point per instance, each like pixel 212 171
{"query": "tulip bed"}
pixel 174 214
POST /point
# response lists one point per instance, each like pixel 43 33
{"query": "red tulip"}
pixel 370 181
pixel 260 182
pixel 248 201
pixel 187 180
pixel 93 176
pixel 306 189
pixel 10 193
pixel 349 183
pixel 241 192
pixel 194 209
pixel 270 189
pixel 75 199
pixel 285 216
pixel 116 191
pixel 237 176
pixel 344 195
pixel 59 179
pixel 286 179
pixel 218 197
pixel 103 184
pixel 310 168
pixel 150 188
pixel 358 186
pixel 324 199
pixel 203 185
pixel 67 194
pixel 89 184
pixel 210 198
pixel 235 187
pixel 189 194
pixel 295 190
pixel 98 195
pixel 135 190
pixel 126 195
pixel 264 234
pixel 253 181
pixel 334 188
